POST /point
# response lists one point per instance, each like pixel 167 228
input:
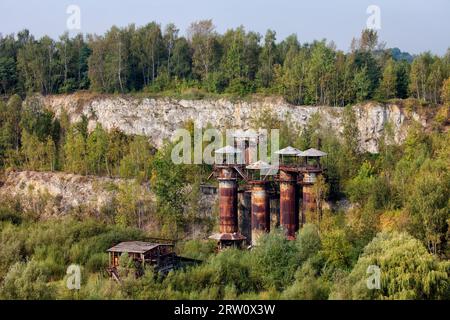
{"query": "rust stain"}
pixel 289 219
pixel 260 211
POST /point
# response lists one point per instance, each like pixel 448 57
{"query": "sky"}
pixel 412 25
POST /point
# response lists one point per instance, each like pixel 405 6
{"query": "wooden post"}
pixel 159 256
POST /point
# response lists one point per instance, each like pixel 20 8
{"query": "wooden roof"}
pixel 312 153
pixel 288 151
pixel 135 246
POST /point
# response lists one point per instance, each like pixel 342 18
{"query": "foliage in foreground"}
pixel 36 255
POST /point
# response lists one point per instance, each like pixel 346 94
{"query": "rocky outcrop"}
pixel 159 118
pixel 56 193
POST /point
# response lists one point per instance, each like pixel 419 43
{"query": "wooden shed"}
pixel 159 255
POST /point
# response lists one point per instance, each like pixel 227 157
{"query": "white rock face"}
pixel 159 118
pixel 55 193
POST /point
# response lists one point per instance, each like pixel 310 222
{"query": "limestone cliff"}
pixel 57 193
pixel 159 118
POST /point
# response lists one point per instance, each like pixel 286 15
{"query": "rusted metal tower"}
pixel 260 199
pixel 246 141
pixel 289 213
pixel 311 168
pixel 228 172
pixel 245 212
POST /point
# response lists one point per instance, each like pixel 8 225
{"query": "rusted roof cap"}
pixel 228 150
pixel 259 165
pixel 227 236
pixel 135 246
pixel 312 153
pixel 288 151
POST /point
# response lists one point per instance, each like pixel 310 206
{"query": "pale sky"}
pixel 412 25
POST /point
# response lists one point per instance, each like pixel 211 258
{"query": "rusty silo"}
pixel 228 199
pixel 260 199
pixel 289 212
pixel 311 168
pixel 244 213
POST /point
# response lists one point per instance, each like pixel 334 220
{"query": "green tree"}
pixel 267 59
pixel 168 181
pixel 181 59
pixel 320 74
pixel 337 249
pixel 361 85
pixel 26 281
pixel 292 81
pixel 133 205
pixel 275 260
pixel 351 137
pixel 97 148
pixel 203 41
pixel 234 65
pixel 39 65
pixel 10 117
pixel 420 70
pixel 75 151
pixel 388 85
pixel 170 37
pixel 429 205
pixel 360 188
pixel 408 271
pixel 308 285
pixel 445 95
pixel 137 162
pixel 308 242
pixel 118 147
pixel 9 77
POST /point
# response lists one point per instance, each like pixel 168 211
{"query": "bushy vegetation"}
pixel 35 256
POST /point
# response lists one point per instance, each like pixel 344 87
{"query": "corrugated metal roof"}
pixel 288 151
pixel 135 246
pixel 312 153
pixel 228 150
pixel 259 165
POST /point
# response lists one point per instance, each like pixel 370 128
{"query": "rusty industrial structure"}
pixel 260 199
pixel 253 195
pixel 310 172
pixel 227 174
pixel 289 219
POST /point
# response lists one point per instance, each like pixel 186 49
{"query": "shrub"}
pixel 408 271
pixel 275 260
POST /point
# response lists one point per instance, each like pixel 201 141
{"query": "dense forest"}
pixel 155 60
pixel 398 211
